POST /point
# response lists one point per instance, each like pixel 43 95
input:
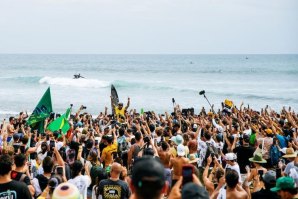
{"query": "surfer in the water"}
pixel 120 111
pixel 78 76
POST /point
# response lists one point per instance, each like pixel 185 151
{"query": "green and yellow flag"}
pixel 60 123
pixel 41 111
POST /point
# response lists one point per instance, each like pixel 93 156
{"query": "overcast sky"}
pixel 149 26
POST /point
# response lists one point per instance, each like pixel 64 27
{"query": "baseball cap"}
pixel 246 138
pixel 284 183
pixel 180 150
pixel 270 177
pixel 194 191
pixel 148 171
pixel 231 156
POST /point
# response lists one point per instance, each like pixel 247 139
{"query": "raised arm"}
pixel 209 185
pixel 128 103
pixel 58 157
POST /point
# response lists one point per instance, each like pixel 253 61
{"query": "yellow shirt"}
pixel 173 152
pixel 106 155
pixel 120 112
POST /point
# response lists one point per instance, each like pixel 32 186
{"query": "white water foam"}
pixel 3 112
pixel 82 83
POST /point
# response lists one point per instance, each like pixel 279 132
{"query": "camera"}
pixel 84 107
pixel 202 92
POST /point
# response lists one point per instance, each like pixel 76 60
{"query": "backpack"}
pixel 274 154
pixel 211 149
pixel 122 147
pixel 14 175
pixel 97 173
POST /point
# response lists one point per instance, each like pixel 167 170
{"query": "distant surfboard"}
pixel 114 97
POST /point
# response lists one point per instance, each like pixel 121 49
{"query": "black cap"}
pixel 246 138
pixel 148 171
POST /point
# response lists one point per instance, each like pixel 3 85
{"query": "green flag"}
pixel 42 110
pixel 60 123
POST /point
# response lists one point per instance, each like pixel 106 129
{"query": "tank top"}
pixel 136 151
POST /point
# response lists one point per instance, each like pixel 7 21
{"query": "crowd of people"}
pixel 235 152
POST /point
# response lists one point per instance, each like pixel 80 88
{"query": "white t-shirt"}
pixel 235 168
pixel 82 182
pixel 202 148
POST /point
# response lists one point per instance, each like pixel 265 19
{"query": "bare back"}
pixel 178 163
pixel 236 194
pixel 165 158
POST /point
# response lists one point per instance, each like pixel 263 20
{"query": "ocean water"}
pixel 151 81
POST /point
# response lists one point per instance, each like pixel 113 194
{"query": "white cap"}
pixel 230 156
pixel 181 150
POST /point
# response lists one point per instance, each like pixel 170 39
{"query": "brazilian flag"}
pixel 41 112
pixel 61 123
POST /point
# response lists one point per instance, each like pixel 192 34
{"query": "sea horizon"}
pixel 150 80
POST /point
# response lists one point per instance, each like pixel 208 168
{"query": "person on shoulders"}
pixel 119 110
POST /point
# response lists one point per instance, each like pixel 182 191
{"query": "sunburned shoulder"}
pixel 237 195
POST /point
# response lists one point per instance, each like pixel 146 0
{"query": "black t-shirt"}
pixel 243 154
pixel 14 190
pixel 263 193
pixel 17 176
pixel 113 189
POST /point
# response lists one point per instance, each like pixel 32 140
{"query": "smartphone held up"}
pixel 187 171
